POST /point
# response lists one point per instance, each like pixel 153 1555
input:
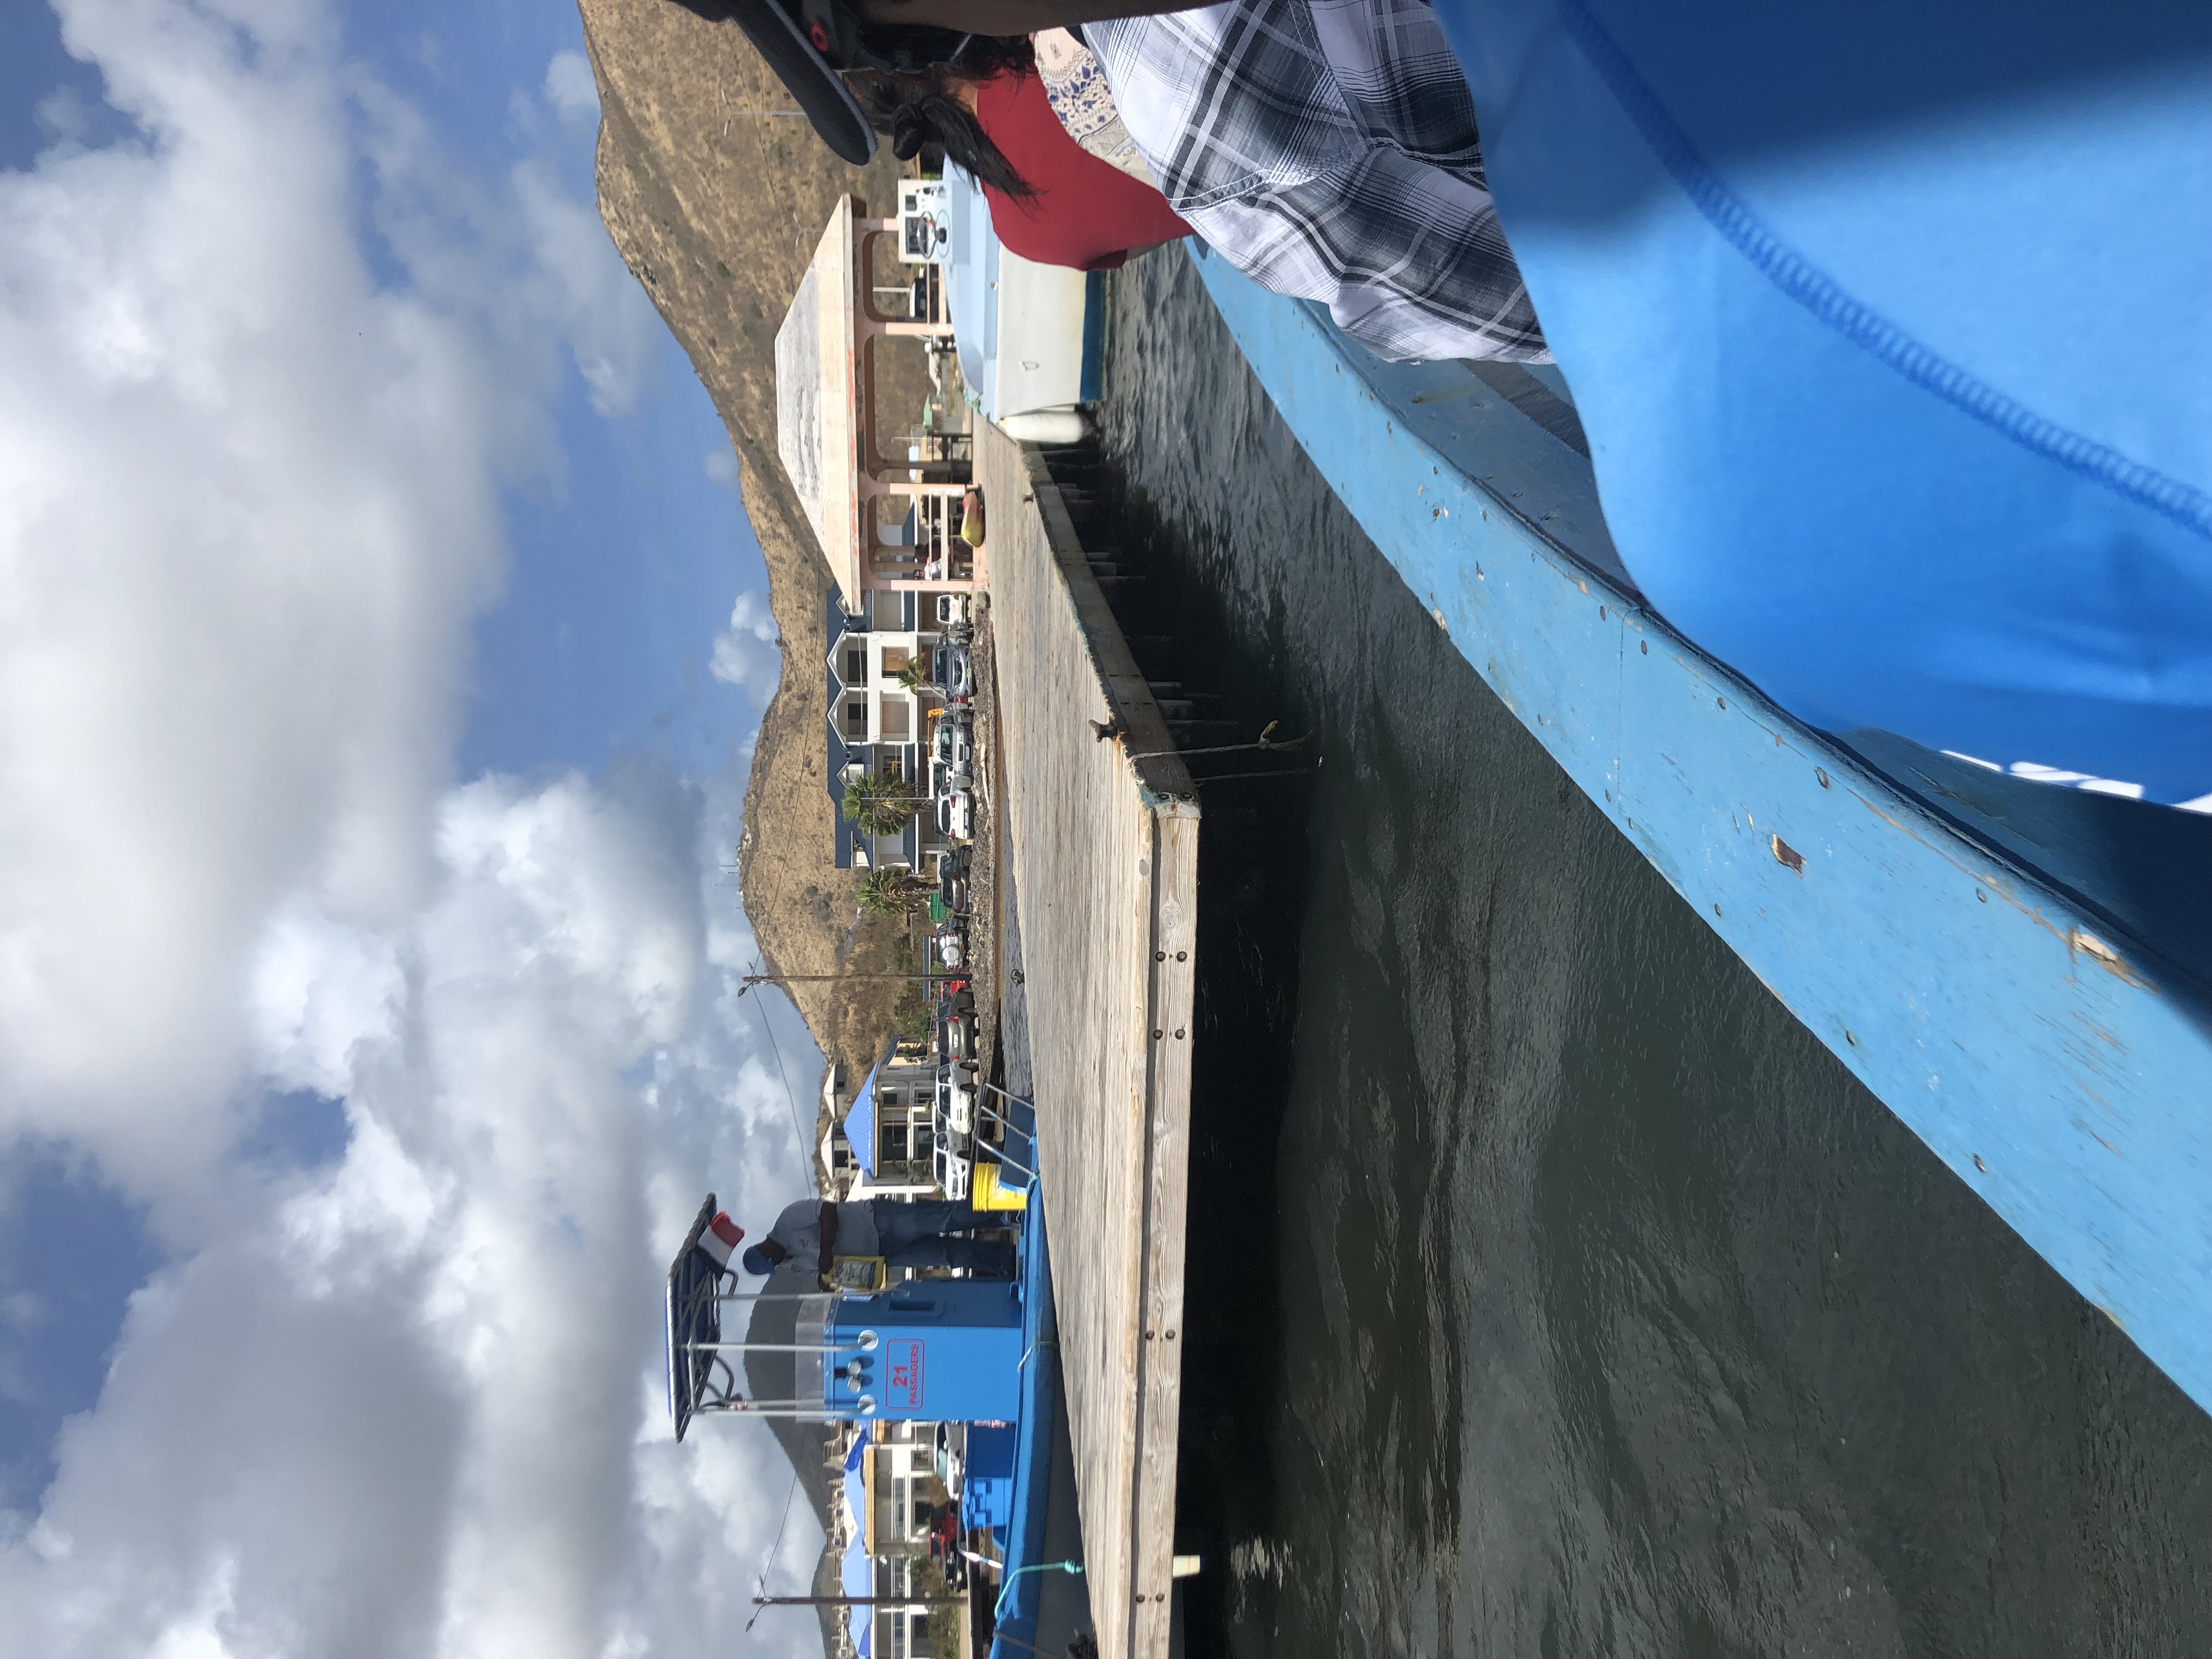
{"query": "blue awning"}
pixel 860 1125
pixel 857 1572
pixel 860 1122
pixel 856 1576
pixel 856 1487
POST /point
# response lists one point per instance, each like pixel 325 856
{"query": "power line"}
pixel 790 1095
pixel 774 1550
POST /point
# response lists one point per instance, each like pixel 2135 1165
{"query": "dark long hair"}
pixel 919 109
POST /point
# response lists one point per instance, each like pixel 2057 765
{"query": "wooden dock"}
pixel 1104 847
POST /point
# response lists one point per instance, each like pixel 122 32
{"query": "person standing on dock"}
pixel 903 1234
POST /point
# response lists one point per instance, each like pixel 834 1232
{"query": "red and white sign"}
pixel 719 1237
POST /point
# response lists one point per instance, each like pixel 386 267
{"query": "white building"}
pixel 883 1147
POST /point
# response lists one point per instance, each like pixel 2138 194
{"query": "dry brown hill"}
pixel 716 203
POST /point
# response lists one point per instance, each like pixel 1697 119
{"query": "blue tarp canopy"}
pixel 856 1485
pixel 860 1125
pixel 987 1480
pixel 1887 326
pixel 856 1576
pixel 861 1121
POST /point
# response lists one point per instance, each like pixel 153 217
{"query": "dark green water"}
pixel 1552 1292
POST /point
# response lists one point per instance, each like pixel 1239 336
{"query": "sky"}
pixel 382 644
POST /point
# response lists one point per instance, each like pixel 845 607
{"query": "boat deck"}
pixel 1104 849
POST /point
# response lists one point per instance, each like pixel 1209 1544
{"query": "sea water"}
pixel 1552 1292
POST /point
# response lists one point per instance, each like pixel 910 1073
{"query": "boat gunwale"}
pixel 2033 1039
pixel 2192 988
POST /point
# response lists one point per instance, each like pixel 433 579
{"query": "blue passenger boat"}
pixel 979 1351
pixel 2018 971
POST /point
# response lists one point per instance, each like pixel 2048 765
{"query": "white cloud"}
pixel 319 989
pixel 251 462
pixel 412 1407
pixel 571 90
pixel 748 653
pixel 721 467
pixel 580 284
pixel 61 114
pixel 249 506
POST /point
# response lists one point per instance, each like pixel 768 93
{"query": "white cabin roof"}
pixel 818 399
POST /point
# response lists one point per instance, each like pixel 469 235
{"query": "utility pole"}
pixel 747 982
pixel 819 979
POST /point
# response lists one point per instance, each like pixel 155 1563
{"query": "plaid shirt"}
pixel 1327 149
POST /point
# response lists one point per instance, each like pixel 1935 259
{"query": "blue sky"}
pixel 527 756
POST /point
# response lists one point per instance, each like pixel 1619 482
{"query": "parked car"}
pixel 954 610
pixel 951 942
pixel 955 1109
pixel 956 814
pixel 954 746
pixel 952 882
pixel 951 1455
pixel 952 671
pixel 944 1535
pixel 955 1038
pixel 951 1169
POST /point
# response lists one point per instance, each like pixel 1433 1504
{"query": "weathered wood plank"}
pixel 1175 865
pixel 1104 849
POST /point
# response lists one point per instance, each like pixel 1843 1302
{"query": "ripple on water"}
pixel 1560 1294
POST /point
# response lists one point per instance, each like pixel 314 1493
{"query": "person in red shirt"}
pixel 1085 212
pixel 1052 200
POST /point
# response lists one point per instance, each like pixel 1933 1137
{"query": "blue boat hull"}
pixel 2058 1066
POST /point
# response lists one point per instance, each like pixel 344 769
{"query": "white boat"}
pixel 1031 338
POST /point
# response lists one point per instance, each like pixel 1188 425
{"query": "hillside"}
pixel 718 226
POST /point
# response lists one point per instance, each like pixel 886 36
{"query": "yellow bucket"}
pixel 984 1192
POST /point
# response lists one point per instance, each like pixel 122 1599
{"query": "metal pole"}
pixel 860 1601
pixel 1000 1152
pixel 793 1413
pixel 762 1296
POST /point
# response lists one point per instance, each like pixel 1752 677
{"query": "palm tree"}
pixel 914 678
pixel 878 803
pixel 887 891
